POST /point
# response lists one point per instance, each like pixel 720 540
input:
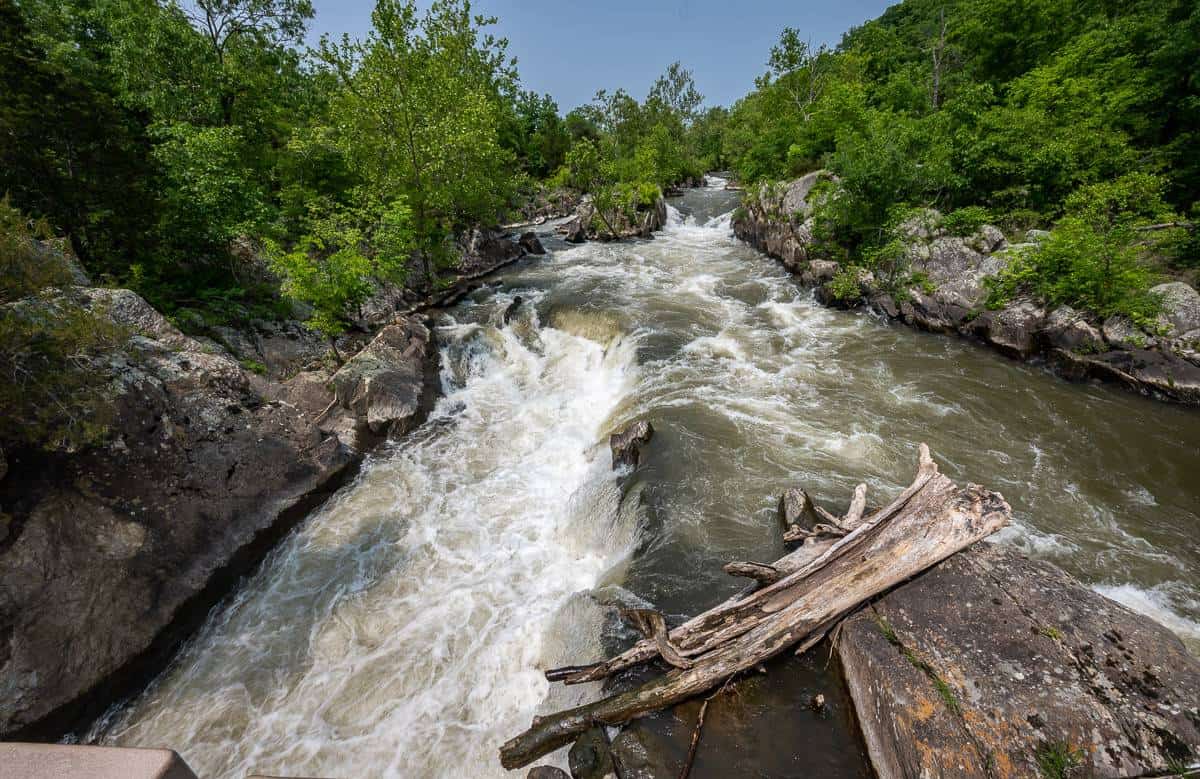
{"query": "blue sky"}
pixel 571 48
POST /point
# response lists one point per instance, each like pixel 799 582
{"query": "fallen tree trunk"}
pixel 820 583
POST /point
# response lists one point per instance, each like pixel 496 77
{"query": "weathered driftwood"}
pixel 820 583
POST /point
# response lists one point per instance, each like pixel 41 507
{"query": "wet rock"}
pixel 1012 329
pixel 637 755
pixel 485 249
pixel 1066 328
pixel 512 309
pixel 530 243
pixel 590 757
pixel 547 772
pixel 975 666
pixel 821 272
pixel 117 552
pixel 1181 306
pixel 1148 372
pixel 626 445
pixel 575 230
pixel 383 383
pixel 926 313
pixel 817 703
pixel 796 508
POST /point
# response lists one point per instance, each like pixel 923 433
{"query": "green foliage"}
pixel 47 341
pixel 966 221
pixel 1095 258
pixel 845 285
pixel 332 270
pixel 1057 759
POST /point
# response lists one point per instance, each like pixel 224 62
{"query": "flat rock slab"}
pixel 990 661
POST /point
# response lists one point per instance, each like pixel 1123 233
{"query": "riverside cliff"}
pixel 952 293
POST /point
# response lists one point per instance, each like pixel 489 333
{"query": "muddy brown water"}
pixel 401 632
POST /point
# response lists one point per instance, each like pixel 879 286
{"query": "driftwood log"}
pixel 841 564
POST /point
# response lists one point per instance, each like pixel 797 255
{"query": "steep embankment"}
pixel 114 554
pixel 778 221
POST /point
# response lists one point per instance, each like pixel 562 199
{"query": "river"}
pixel 401 631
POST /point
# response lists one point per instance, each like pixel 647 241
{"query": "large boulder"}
pixel 530 243
pixel 116 552
pixel 626 445
pixel 990 662
pixel 1181 306
pixel 958 270
pixel 1013 329
pixel 1146 371
pixel 485 249
pixel 1066 328
pixel 383 385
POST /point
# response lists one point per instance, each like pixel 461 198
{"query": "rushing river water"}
pixel 402 630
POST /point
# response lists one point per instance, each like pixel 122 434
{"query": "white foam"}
pixel 402 631
pixel 1158 603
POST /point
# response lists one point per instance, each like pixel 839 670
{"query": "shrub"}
pixel 966 221
pixel 50 395
pixel 1095 259
pixel 845 285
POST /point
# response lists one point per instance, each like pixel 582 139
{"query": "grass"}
pixel 1057 759
pixel 1051 633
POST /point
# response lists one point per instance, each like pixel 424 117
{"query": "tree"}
pixel 420 103
pixel 800 69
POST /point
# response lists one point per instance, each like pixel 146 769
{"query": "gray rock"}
pixel 575 230
pixel 638 755
pixel 547 772
pixel 795 195
pixel 988 239
pixel 626 445
pixel 1066 328
pixel 974 667
pixel 530 243
pixel 1012 330
pixel 958 271
pixel 590 757
pixel 485 249
pixel 1181 306
pixel 1124 334
pixel 1036 236
pixel 822 271
pixel 383 383
pixel 796 508
pixel 1156 373
pixel 117 552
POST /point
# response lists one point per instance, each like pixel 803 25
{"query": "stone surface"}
pixel 590 757
pixel 530 243
pixel 1066 328
pixel 486 248
pixel 979 663
pixel 1123 334
pixel 1181 306
pixel 795 508
pixel 383 384
pixel 1145 371
pixel 117 552
pixel 547 772
pixel 626 445
pixel 637 756
pixel 1012 329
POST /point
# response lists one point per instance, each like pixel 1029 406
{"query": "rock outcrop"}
pixel 949 295
pixel 641 222
pixel 626 445
pixel 382 385
pixel 117 552
pixel 990 663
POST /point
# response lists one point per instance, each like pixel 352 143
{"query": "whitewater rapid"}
pixel 403 630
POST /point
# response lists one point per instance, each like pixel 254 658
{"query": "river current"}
pixel 403 629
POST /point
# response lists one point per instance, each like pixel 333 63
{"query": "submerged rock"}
pixel 796 508
pixel 530 243
pixel 638 755
pixel 547 772
pixel 626 445
pixel 990 660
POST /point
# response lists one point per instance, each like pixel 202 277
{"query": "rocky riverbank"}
pixel 951 297
pixel 218 445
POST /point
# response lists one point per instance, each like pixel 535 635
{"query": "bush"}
pixel 966 221
pixel 845 285
pixel 1094 259
pixel 48 391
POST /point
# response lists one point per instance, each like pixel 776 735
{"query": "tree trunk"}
pixel 931 520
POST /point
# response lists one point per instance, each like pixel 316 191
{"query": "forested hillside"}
pixel 1021 112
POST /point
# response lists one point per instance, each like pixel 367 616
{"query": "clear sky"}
pixel 571 48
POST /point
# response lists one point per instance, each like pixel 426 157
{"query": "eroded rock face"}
pixel 627 444
pixel 115 553
pixel 383 384
pixel 984 661
pixel 530 243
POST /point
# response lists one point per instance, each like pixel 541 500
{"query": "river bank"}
pixel 776 219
